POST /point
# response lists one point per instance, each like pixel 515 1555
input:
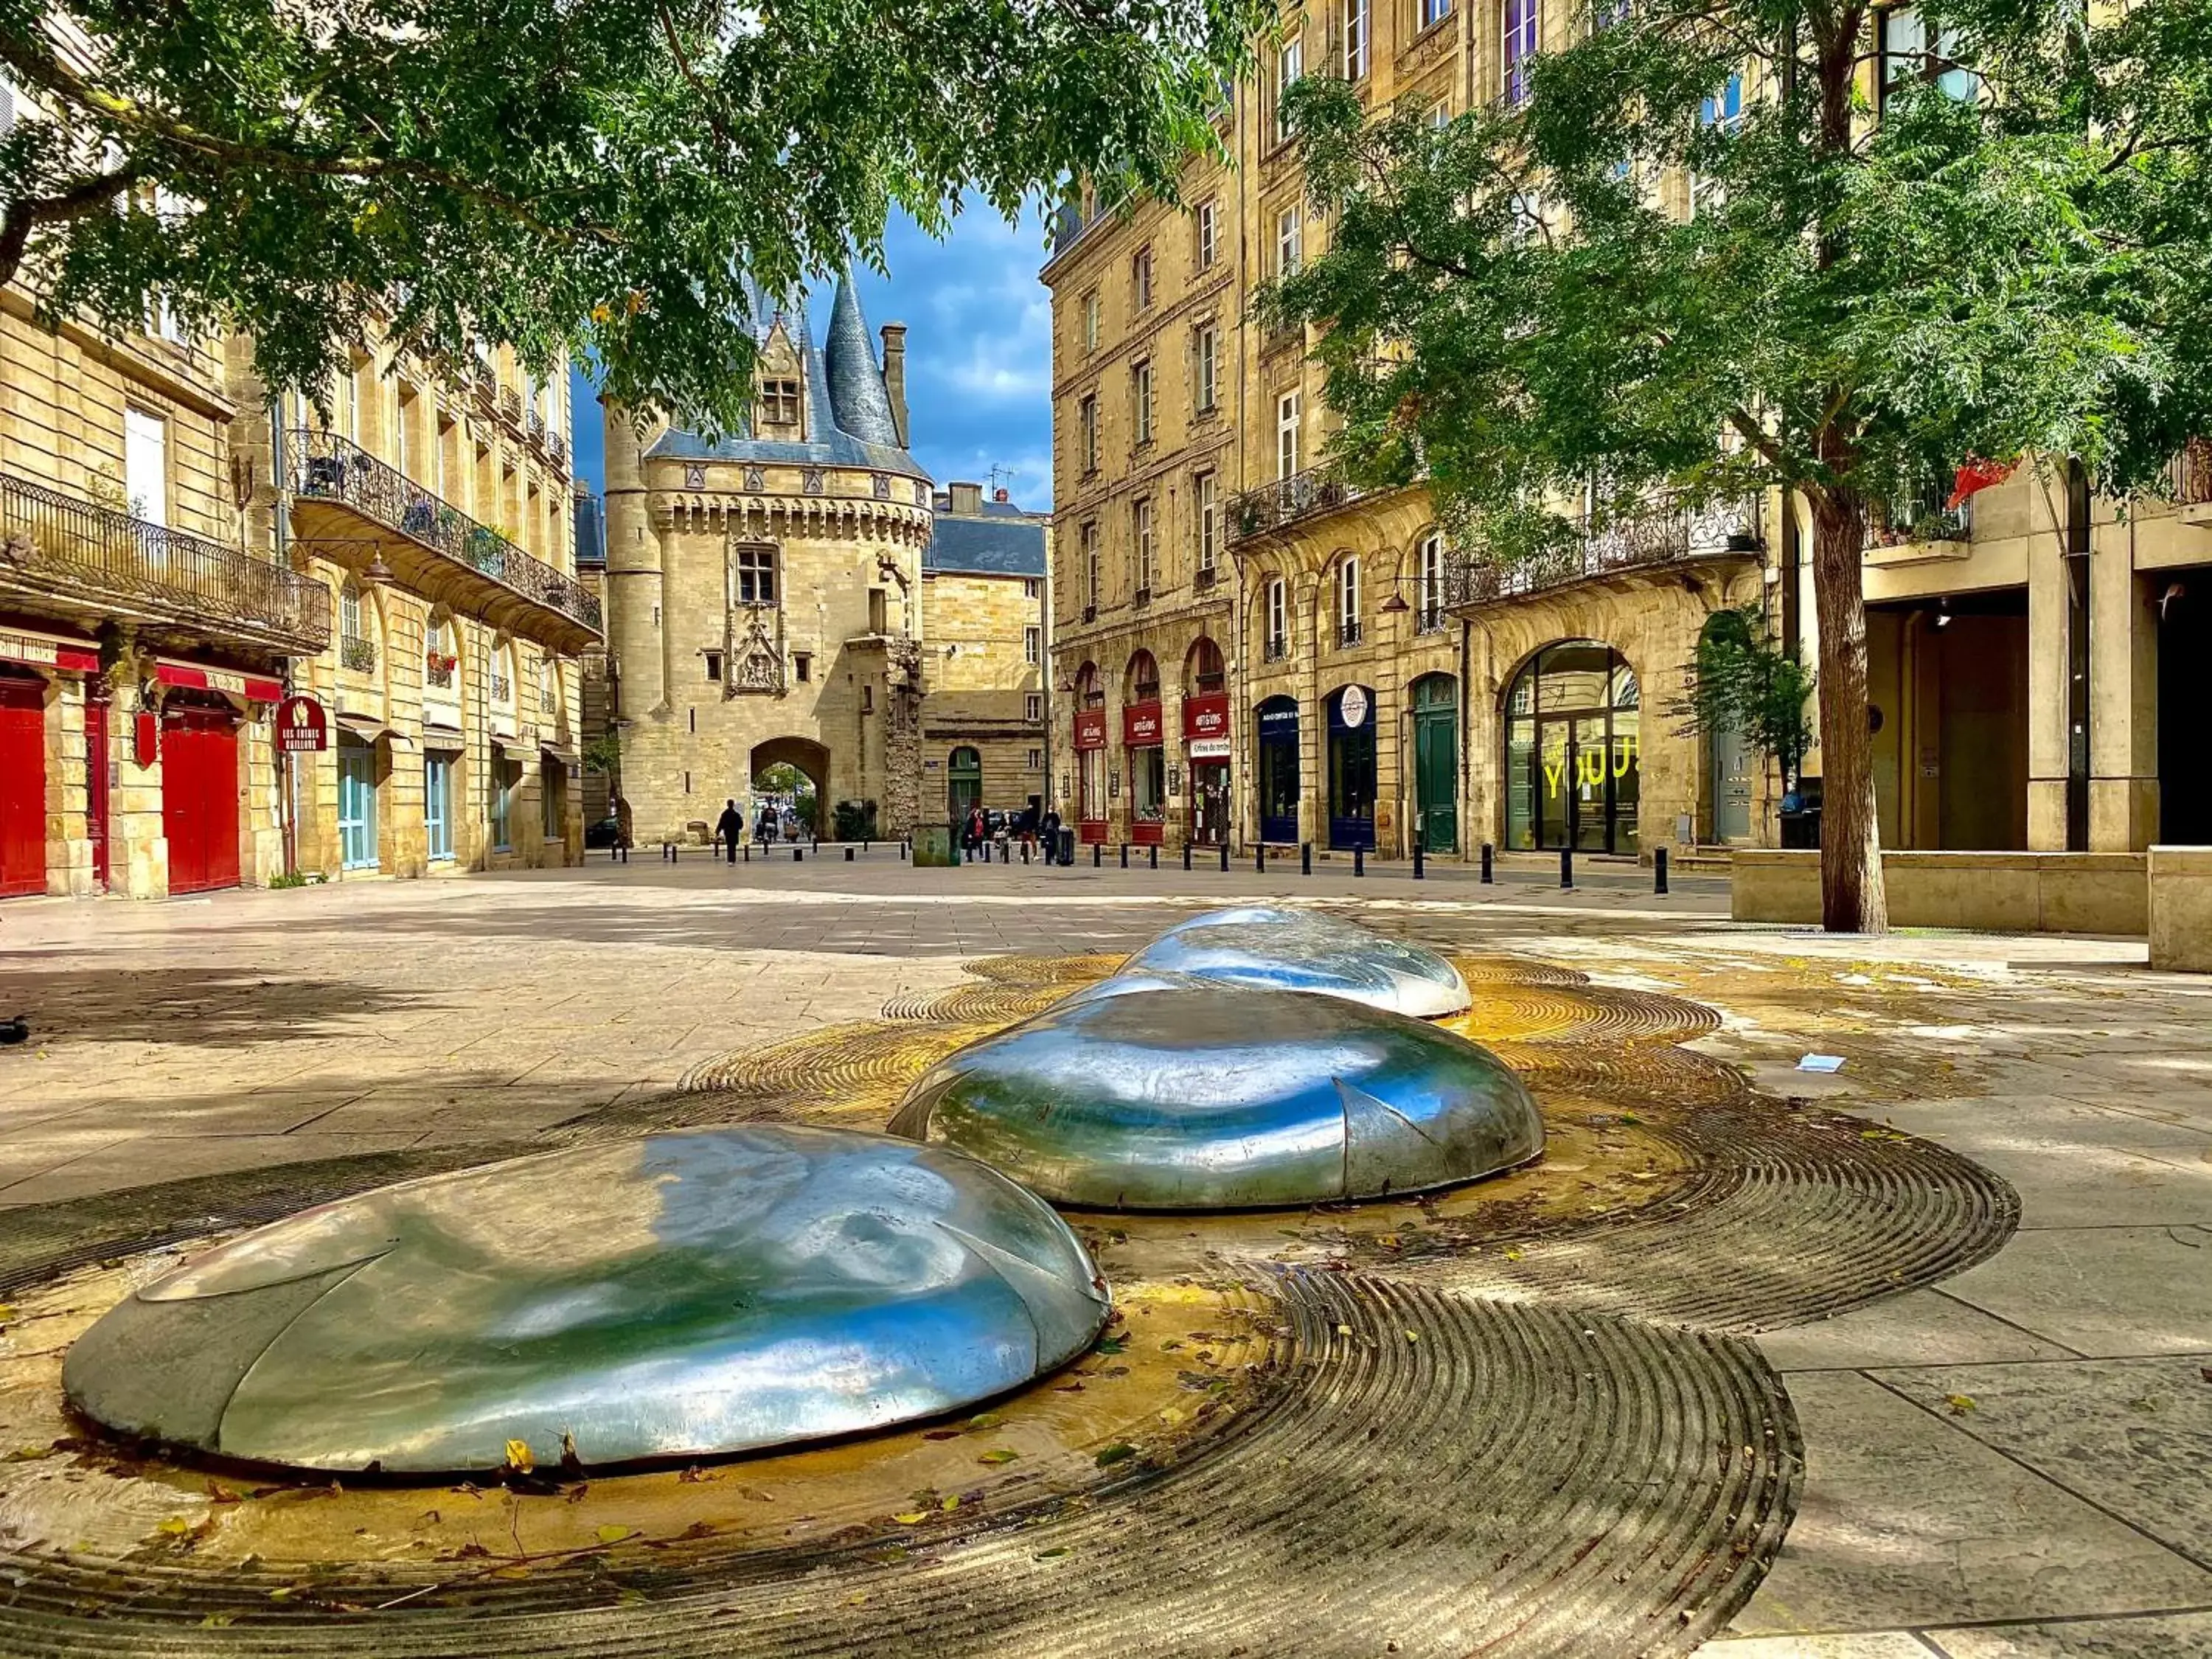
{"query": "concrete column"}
pixel 138 844
pixel 634 584
pixel 68 840
pixel 2123 695
pixel 2046 693
pixel 263 831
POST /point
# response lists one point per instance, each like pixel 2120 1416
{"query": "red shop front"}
pixel 1205 742
pixel 23 750
pixel 202 784
pixel 1091 774
pixel 1141 735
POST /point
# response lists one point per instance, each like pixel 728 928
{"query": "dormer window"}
pixel 779 402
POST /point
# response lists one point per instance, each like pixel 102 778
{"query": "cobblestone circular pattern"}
pixel 1564 1447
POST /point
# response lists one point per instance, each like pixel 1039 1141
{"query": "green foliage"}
pixel 285 879
pixel 855 820
pixel 603 754
pixel 602 177
pixel 1741 680
pixel 1515 306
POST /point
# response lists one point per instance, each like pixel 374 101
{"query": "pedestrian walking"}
pixel 625 829
pixel 731 827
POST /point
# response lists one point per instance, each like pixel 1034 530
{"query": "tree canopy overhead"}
pixel 1724 245
pixel 605 177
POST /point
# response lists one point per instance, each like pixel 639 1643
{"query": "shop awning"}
pixel 199 677
pixel 367 727
pixel 46 651
pixel 446 740
pixel 554 752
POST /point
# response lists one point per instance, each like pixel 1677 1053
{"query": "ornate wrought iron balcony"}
pixel 1273 507
pixel 323 467
pixel 1669 531
pixel 99 562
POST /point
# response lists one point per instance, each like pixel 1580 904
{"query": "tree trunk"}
pixel 1851 897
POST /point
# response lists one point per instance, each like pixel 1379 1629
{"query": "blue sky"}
pixel 978 353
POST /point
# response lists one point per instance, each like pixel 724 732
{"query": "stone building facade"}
pixel 179 553
pixel 1246 648
pixel 144 632
pixel 983 594
pixel 764 592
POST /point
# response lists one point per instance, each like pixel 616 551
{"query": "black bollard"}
pixel 1152 857
pixel 1566 866
pixel 1417 875
pixel 1025 851
pixel 1659 871
pixel 747 850
pixel 1186 855
pixel 1097 851
pixel 901 852
pixel 1224 855
pixel 1359 860
pixel 798 855
pixel 1125 855
pixel 867 847
pixel 1259 858
pixel 848 855
pixel 1486 864
pixel 1305 858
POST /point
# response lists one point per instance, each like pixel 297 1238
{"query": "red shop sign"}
pixel 1089 728
pixel 301 726
pixel 199 677
pixel 1140 725
pixel 1206 716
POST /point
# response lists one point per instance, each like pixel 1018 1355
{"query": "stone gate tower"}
pixel 763 594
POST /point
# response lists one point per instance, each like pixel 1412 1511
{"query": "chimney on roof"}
pixel 894 375
pixel 967 498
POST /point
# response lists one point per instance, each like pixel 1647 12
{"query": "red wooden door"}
pixel 199 797
pixel 22 785
pixel 96 763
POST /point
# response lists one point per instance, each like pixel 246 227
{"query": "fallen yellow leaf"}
pixel 519 1458
pixel 913 1518
pixel 611 1533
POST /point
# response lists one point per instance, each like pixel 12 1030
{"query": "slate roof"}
pixel 1005 543
pixel 852 427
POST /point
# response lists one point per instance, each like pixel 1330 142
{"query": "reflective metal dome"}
pixel 684 1294
pixel 1283 950
pixel 1195 1095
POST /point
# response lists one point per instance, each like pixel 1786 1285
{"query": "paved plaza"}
pixel 2012 1460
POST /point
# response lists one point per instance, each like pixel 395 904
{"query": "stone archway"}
pixel 806 756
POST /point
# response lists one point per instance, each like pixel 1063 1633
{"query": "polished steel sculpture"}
pixel 1285 950
pixel 1170 1094
pixel 672 1296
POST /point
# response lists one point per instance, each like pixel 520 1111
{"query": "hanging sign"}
pixel 301 726
pixel 1353 707
pixel 1206 716
pixel 1140 725
pixel 1089 728
pixel 145 737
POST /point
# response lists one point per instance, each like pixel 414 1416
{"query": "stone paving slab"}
pixel 181 1038
pixel 1907 1520
pixel 2133 1437
pixel 2102 1291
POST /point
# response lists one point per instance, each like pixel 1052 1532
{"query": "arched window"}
pixel 963 782
pixel 1203 669
pixel 1572 750
pixel 1141 684
pixel 1088 692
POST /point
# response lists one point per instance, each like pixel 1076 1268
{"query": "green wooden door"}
pixel 1435 761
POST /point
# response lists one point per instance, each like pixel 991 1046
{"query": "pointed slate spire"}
pixel 857 398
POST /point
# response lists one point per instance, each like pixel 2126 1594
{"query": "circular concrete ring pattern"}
pixel 1430 1474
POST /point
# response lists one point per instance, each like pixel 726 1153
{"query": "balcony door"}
pixel 357 806
pixel 438 805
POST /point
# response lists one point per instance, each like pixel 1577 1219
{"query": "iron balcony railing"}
pixel 1921 516
pixel 100 556
pixel 2192 474
pixel 1349 632
pixel 1256 512
pixel 325 467
pixel 1429 618
pixel 1668 531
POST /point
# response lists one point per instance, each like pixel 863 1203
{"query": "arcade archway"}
pixel 795 771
